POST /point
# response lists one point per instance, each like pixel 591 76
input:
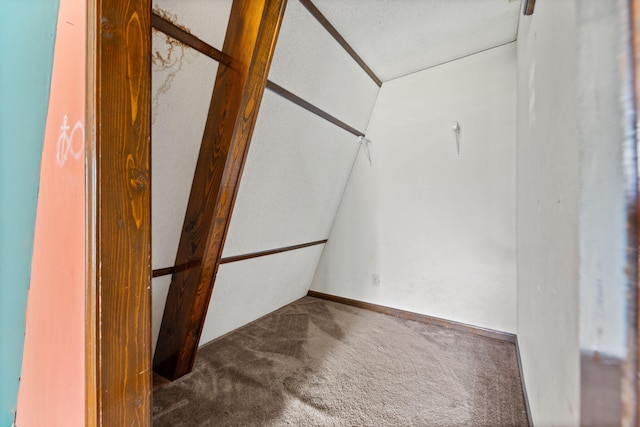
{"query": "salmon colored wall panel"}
pixel 52 382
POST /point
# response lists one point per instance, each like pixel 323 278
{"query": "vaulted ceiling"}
pixel 400 37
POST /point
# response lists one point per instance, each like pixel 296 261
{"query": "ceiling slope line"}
pixel 456 59
pixel 279 90
pixel 172 30
pixel 341 41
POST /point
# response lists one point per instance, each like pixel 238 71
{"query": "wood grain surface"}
pixel 119 258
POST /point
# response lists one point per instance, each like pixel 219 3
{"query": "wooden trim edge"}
pixel 423 318
pixel 270 252
pixel 523 385
pixel 159 272
pixel 172 30
pixel 341 41
pixel 279 90
pixel 92 411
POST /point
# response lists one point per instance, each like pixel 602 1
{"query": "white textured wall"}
pixel 396 38
pixel 248 290
pixel 293 179
pixel 438 230
pixel 548 228
pixel 206 19
pixel 182 82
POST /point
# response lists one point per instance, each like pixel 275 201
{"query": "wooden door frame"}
pixel 118 155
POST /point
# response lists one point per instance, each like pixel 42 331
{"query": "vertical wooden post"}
pixel 119 213
pixel 250 43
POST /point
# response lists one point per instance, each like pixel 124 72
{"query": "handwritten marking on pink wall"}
pixel 67 144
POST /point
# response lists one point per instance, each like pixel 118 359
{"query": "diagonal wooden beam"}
pixel 250 43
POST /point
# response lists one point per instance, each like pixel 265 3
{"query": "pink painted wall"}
pixel 52 382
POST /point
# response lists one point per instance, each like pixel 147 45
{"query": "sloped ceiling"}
pixel 400 37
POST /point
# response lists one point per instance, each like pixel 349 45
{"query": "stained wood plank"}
pixel 119 220
pixel 270 252
pixel 170 270
pixel 250 42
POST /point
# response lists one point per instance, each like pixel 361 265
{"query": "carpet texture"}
pixel 321 363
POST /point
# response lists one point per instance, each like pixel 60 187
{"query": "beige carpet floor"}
pixel 320 363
